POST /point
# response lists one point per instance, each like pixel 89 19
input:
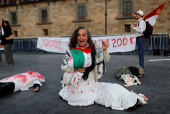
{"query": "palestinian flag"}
pixel 2 26
pixel 151 17
pixel 80 58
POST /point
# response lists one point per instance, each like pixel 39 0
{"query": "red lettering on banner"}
pixel 118 41
pixel 131 40
pixel 67 43
pixel 58 44
pixel 108 43
pixel 45 42
pixel 125 39
pixel 114 43
pixel 62 50
pixel 99 41
pixel 52 43
pixel 95 42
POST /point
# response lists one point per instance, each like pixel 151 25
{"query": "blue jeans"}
pixel 140 41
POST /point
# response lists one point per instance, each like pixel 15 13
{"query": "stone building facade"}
pixel 37 18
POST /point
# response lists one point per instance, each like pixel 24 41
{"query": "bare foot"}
pixel 36 89
pixel 144 97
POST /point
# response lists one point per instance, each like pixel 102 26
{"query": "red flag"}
pixel 151 17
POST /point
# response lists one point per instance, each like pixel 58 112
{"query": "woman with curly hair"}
pixel 84 62
pixel 81 58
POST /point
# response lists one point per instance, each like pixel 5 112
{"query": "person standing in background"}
pixel 7 41
pixel 139 28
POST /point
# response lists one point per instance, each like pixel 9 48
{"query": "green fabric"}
pixel 78 58
pixel 120 71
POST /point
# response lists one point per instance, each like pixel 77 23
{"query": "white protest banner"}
pixel 1 46
pixel 116 43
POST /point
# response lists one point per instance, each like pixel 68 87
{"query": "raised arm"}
pixel 106 55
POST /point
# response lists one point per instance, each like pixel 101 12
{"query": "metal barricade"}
pixel 157 41
pixel 26 45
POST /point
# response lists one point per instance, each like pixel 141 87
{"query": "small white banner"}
pixel 116 43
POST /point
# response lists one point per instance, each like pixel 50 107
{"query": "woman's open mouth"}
pixel 81 41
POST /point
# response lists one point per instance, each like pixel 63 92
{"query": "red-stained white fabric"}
pixel 25 80
pixel 116 96
pixel 87 94
pixel 74 78
pixel 107 94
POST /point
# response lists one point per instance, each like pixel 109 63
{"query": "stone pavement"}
pixel 155 85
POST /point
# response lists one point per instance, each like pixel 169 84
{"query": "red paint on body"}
pixel 74 79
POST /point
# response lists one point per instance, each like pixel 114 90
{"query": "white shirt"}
pixel 141 28
pixel 35 82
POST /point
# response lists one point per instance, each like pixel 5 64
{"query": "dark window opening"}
pixel 127 28
pixel 12 1
pixel 4 2
pixel 26 0
pixel 15 33
pixel 14 18
pixel 45 32
pixel 127 11
pixel 81 13
pixel 44 15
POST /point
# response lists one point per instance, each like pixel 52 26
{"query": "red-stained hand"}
pixel 82 70
pixel 104 45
